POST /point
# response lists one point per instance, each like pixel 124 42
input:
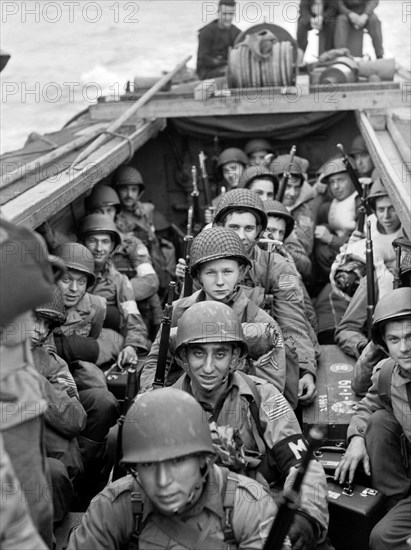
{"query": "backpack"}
pixel 227 490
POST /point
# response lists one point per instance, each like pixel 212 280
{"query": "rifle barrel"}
pixel 159 379
pixel 369 256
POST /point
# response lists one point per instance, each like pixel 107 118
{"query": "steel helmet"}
pixel 255 145
pixel 331 167
pixel 102 195
pixel 282 164
pixel 216 243
pixel 210 322
pixel 276 208
pixel 232 154
pixel 394 305
pixel 258 171
pixel 240 199
pixel 99 223
pixel 358 146
pixel 164 424
pixel 377 191
pixel 128 175
pixel 54 311
pixel 77 257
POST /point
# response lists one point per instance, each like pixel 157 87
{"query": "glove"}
pixel 303 533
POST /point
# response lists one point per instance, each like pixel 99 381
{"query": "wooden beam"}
pixel 394 172
pixel 37 204
pixel 259 101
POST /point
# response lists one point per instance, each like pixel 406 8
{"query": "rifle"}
pixel 159 380
pixel 362 211
pixel 288 507
pixel 286 176
pixel 196 202
pixel 369 256
pixel 131 392
pixel 397 270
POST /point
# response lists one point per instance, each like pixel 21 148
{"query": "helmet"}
pixel 331 167
pixel 255 172
pixel 102 195
pixel 282 164
pixel 241 199
pixel 232 154
pixel 53 311
pixel 99 223
pixel 394 305
pixel 216 243
pixel 164 424
pixel 358 146
pixel 77 257
pixel 255 145
pixel 128 175
pixel 276 208
pixel 376 192
pixel 207 322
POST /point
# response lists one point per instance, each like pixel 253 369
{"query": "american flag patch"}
pixel 276 407
pixel 288 282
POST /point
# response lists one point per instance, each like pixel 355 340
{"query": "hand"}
pixel 355 237
pixel 322 234
pixel 127 356
pixel 208 216
pixel 181 268
pixel 355 454
pixel 362 20
pixel 302 533
pixel 307 391
pixel 353 17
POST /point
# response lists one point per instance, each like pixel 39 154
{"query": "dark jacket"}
pixel 357 6
pixel 213 45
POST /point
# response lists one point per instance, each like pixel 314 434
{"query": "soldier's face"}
pixel 258 157
pixel 73 286
pixel 264 188
pixel 292 191
pixel 363 163
pixel 275 228
pixel 129 195
pixel 209 364
pixel 232 172
pixel 108 210
pixel 219 278
pixel 397 336
pixel 100 245
pixel 386 215
pixel 245 225
pixel 172 484
pixel 226 16
pixel 341 186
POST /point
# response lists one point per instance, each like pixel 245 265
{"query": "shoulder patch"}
pixel 276 407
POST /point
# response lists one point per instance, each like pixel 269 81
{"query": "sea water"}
pixel 65 53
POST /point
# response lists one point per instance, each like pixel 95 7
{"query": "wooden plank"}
pixel 399 141
pixel 259 101
pixel 394 172
pixel 36 205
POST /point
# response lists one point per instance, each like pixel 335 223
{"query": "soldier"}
pixel 232 162
pixel 174 497
pixel 257 150
pixel 335 220
pixel 311 17
pixel 123 323
pixel 214 41
pixel 350 333
pixel 137 217
pixel 379 433
pixel 266 427
pixel 243 211
pixel 261 180
pixel 65 417
pixel 362 158
pixel 217 264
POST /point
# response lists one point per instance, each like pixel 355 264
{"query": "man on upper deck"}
pixel 214 40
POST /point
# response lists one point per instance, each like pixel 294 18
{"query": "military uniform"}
pixel 303 213
pixel 269 362
pixel 213 45
pixel 282 437
pixel 109 522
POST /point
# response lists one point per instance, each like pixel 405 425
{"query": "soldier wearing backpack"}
pixel 174 497
pixel 380 431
